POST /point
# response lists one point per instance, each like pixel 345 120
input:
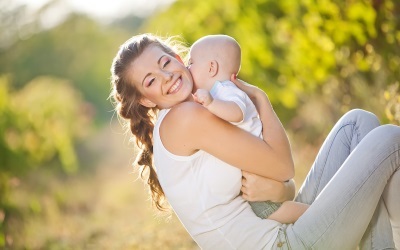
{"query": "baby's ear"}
pixel 147 103
pixel 213 70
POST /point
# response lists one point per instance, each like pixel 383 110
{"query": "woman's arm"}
pixel 273 132
pixel 289 212
pixel 189 127
pixel 258 188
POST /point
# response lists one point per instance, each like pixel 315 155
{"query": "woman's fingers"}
pixel 243 189
pixel 245 175
pixel 258 188
pixel 248 178
pixel 239 83
pixel 249 89
pixel 245 195
pixel 233 77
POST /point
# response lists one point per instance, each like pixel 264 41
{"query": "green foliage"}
pixel 79 49
pixel 315 58
pixel 292 49
pixel 39 123
pixel 392 98
pixel 43 118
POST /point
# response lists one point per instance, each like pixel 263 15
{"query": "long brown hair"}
pixel 139 119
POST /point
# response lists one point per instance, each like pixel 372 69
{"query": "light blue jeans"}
pixel 353 188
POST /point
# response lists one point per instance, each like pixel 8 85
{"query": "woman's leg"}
pixel 340 214
pixel 391 198
pixel 341 141
pixel 344 137
pixel 379 232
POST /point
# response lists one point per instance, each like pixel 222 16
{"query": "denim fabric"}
pixel 353 189
pixel 281 240
pixel 264 209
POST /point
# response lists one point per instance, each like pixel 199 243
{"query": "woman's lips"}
pixel 175 87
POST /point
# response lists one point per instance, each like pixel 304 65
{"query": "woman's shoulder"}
pixel 187 111
pixel 187 116
pixel 180 128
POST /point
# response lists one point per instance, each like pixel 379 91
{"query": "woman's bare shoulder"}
pixel 182 126
pixel 189 118
pixel 187 111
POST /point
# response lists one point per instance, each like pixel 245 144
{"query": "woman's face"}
pixel 162 79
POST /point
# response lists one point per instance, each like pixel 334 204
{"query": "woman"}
pixel 152 89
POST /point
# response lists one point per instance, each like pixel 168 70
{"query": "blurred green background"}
pixel 66 180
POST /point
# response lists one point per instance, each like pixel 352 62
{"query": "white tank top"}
pixel 204 193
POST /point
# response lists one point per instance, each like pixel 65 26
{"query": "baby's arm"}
pixel 227 110
pixel 289 212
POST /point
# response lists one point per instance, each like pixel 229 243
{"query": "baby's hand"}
pixel 203 97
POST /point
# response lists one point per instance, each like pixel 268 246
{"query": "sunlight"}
pixel 103 10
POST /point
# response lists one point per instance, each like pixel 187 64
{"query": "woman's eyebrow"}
pixel 159 59
pixel 158 62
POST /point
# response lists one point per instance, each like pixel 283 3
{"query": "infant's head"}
pixel 214 58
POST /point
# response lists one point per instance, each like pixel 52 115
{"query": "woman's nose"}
pixel 167 75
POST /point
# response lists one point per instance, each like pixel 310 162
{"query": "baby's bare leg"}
pixel 289 212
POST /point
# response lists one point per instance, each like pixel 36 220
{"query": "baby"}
pixel 212 61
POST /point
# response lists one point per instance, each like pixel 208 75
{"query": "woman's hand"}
pixel 258 188
pixel 252 91
pixel 257 95
pixel 273 131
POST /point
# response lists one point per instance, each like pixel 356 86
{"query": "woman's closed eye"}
pixel 166 63
pixel 163 65
pixel 150 82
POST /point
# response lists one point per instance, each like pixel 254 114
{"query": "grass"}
pixel 102 208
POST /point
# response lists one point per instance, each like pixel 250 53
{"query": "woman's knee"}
pixel 388 134
pixel 365 116
pixel 364 120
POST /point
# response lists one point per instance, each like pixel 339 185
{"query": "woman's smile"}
pixel 175 87
pixel 161 78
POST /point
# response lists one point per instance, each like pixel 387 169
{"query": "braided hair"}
pixel 138 118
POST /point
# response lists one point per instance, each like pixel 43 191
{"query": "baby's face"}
pixel 198 65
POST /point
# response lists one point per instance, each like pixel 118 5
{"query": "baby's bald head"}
pixel 222 48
